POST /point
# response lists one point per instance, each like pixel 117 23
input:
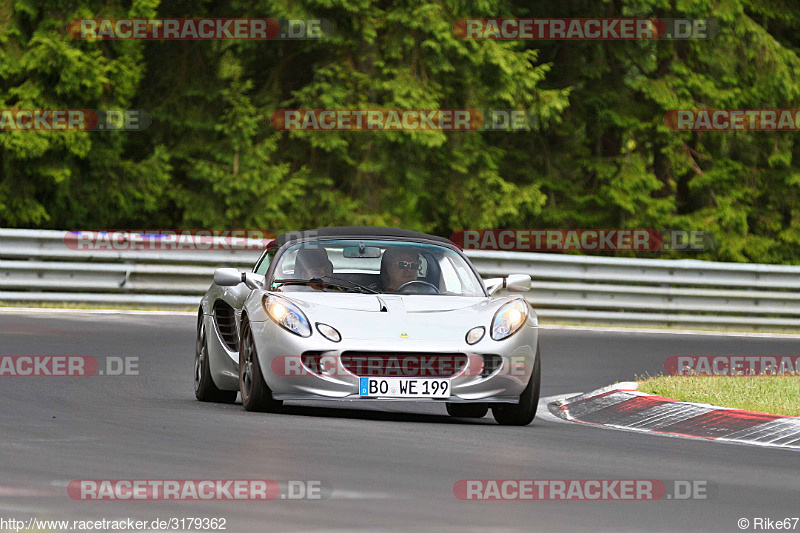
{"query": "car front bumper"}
pixel 505 384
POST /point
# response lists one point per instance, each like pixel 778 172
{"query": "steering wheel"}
pixel 418 282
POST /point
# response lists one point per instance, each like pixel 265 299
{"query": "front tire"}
pixel 204 388
pixel 256 395
pixel 467 410
pixel 524 412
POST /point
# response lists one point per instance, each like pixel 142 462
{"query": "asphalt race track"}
pixel 392 467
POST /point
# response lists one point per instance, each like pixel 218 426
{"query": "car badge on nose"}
pixel 404 335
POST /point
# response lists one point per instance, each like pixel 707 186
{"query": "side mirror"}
pixel 518 283
pixel 513 283
pixel 254 281
pixel 228 277
pixel 493 285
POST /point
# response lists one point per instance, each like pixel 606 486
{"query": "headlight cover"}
pixel 509 319
pixel 287 315
pixel 475 335
pixel 329 332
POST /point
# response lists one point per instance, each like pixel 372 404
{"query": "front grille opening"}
pixel 404 364
pixel 312 360
pixel 491 362
pixel 225 318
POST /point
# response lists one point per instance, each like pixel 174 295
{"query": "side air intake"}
pixel 225 318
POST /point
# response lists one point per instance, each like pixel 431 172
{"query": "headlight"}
pixel 329 332
pixel 509 319
pixel 475 334
pixel 287 315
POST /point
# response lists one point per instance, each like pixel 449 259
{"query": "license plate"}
pixel 404 388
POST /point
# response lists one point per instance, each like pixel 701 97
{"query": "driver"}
pixel 399 265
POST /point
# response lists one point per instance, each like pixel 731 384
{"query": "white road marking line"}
pixel 22 492
pixel 19 509
pixel 339 494
pixel 671 331
pixel 542 326
pixel 46 310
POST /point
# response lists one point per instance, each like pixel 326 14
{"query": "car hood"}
pixel 410 318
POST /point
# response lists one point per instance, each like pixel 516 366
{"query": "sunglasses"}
pixel 407 264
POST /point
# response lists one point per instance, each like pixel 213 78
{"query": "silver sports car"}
pixel 366 313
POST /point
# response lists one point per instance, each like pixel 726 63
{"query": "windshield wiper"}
pixel 354 284
pixel 322 281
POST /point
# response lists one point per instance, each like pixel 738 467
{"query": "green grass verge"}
pixel 705 328
pixel 777 395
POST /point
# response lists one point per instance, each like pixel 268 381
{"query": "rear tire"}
pixel 256 395
pixel 204 388
pixel 467 410
pixel 524 412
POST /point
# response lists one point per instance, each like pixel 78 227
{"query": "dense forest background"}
pixel 601 155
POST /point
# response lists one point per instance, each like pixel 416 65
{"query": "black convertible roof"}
pixel 356 231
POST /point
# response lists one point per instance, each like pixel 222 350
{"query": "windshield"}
pixel 375 266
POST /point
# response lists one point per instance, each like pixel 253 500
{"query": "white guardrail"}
pixel 38 266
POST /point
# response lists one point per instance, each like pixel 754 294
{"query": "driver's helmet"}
pixel 312 263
